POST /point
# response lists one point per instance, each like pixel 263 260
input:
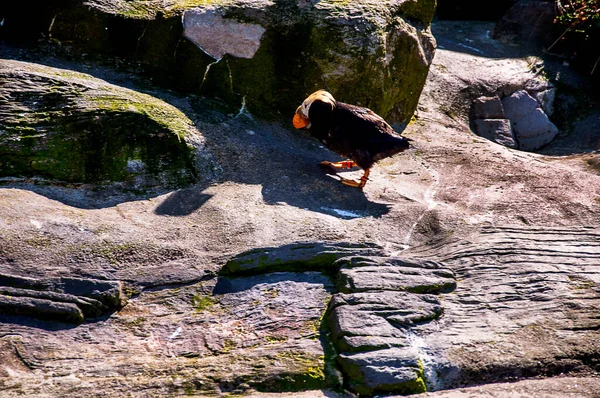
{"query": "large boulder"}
pixel 69 126
pixel 529 21
pixel 474 10
pixel 263 54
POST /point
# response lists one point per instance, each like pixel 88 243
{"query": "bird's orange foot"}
pixel 352 183
pixel 330 168
pixel 357 184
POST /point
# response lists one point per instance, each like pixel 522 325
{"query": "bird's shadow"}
pixel 284 162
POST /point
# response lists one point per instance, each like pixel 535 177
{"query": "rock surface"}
pixel 531 125
pixel 528 21
pixel 518 230
pixel 71 127
pixel 371 320
pixel 60 299
pixel 497 130
pixel 268 56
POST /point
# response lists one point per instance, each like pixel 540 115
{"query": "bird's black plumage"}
pixel 351 131
pixel 354 132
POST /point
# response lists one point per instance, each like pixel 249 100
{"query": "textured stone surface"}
pixel 370 321
pixel 496 130
pixel 534 130
pixel 68 126
pixel 528 21
pixel 218 36
pixel 531 126
pixel 488 108
pixel 313 256
pixel 274 53
pixel 518 105
pixel 60 299
pixel 359 274
pixel 395 370
pixel 524 310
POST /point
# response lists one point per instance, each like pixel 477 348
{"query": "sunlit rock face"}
pixel 268 55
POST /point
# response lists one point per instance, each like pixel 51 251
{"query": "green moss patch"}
pixel 71 127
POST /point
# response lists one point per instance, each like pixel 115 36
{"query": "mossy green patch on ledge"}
pixel 68 126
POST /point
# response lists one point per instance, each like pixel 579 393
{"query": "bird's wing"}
pixel 366 119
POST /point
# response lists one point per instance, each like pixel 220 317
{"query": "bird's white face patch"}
pixel 317 95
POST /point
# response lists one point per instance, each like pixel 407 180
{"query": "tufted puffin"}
pixel 351 131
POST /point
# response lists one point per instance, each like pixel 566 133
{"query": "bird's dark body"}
pixel 354 132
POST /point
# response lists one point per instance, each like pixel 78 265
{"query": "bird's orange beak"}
pixel 300 120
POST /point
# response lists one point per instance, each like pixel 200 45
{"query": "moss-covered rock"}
pixel 273 53
pixel 68 126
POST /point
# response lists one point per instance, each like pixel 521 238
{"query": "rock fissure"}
pixel 379 301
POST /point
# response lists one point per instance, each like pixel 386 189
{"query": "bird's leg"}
pixel 346 164
pixel 357 184
pixel 332 168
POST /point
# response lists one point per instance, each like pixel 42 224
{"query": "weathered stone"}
pixel 63 299
pixel 374 317
pixel 528 21
pixel 91 308
pixel 544 93
pixel 218 36
pixel 349 321
pixel 68 126
pixel 496 130
pixel 518 105
pixel 40 308
pixel 488 108
pixel 396 370
pixel 307 256
pixel 274 53
pixel 369 343
pixel 358 274
pixel 534 130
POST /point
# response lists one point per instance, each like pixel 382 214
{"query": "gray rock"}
pixel 274 53
pixel 359 274
pixel 396 370
pixel 315 256
pixel 62 299
pixel 69 126
pixel 544 93
pixel 369 343
pixel 496 130
pixel 546 100
pixel 534 130
pixel 217 36
pixel 349 321
pixel 518 105
pixel 40 308
pixel 488 108
pixel 527 22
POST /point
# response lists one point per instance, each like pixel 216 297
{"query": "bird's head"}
pixel 301 118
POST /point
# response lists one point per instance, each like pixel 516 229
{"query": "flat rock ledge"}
pixel 70 300
pixel 373 320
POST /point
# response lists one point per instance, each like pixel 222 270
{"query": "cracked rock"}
pixel 62 299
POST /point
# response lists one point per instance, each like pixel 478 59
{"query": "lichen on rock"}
pixel 69 126
pixel 371 53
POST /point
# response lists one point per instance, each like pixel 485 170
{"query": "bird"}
pixel 351 131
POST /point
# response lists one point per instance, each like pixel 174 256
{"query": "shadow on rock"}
pixel 182 202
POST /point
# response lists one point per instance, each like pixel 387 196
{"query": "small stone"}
pixel 534 130
pixel 488 108
pixel 395 370
pixel 496 130
pixel 518 105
